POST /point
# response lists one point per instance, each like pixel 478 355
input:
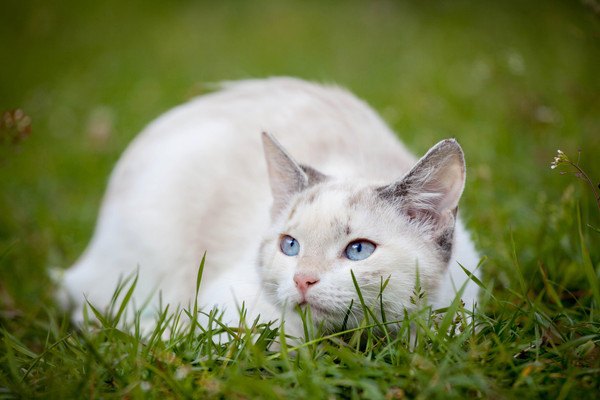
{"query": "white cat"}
pixel 195 180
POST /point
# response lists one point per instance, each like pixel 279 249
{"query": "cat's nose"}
pixel 303 282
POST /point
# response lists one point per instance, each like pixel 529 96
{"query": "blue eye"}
pixel 359 250
pixel 289 246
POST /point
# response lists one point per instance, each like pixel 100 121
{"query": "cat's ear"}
pixel 430 191
pixel 286 176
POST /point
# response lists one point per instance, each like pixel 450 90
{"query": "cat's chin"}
pixel 314 308
pixel 319 314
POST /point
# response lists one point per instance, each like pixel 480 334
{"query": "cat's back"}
pixel 324 126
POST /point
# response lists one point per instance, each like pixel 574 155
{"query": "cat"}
pixel 281 233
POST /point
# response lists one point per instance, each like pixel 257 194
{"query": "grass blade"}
pixel 126 299
pixel 588 267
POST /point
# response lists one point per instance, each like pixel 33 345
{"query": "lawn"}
pixel 512 81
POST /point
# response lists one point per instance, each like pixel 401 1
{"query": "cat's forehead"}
pixel 334 193
pixel 331 201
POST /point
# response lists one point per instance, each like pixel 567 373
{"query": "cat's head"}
pixel 323 228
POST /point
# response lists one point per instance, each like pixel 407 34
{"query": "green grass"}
pixel 512 81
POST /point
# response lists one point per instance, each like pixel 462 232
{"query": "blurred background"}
pixel 513 81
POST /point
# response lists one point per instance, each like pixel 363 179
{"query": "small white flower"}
pixel 559 159
pixel 182 372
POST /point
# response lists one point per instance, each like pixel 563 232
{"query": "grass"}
pixel 512 82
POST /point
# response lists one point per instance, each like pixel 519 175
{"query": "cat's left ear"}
pixel 430 191
pixel 286 176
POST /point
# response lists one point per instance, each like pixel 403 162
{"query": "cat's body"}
pixel 196 180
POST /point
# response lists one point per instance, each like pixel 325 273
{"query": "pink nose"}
pixel 303 282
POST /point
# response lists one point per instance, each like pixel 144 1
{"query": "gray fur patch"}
pixel 445 243
pixel 313 175
pixel 311 197
pixel 338 228
pixel 348 230
pixel 395 192
pixel 355 199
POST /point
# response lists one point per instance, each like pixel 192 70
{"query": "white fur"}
pixel 195 180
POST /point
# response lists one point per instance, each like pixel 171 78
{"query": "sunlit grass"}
pixel 516 346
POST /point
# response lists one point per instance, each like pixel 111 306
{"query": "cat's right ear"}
pixel 430 191
pixel 286 176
